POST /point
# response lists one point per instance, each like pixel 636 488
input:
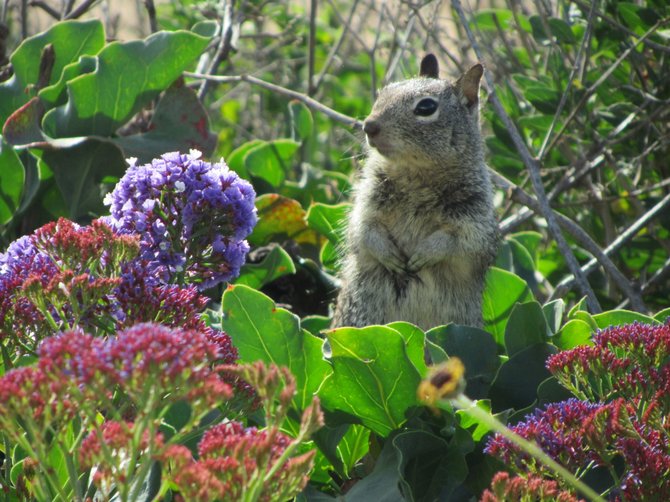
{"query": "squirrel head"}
pixel 426 119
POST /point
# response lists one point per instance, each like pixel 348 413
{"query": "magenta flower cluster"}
pixel 192 217
pixel 618 423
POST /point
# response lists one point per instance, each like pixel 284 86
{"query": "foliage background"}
pixel 575 113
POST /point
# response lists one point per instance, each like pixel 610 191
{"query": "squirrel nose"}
pixel 371 128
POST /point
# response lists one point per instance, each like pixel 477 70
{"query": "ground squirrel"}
pixel 422 229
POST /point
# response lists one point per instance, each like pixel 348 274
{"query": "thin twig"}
pixel 81 10
pixel 533 170
pixel 310 102
pixel 619 26
pixel 311 47
pixel 45 7
pixel 224 47
pixel 564 97
pixel 151 11
pixel 578 234
pixel 628 234
pixel 335 49
pixel 593 88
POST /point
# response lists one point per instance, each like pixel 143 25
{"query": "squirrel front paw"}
pixel 431 251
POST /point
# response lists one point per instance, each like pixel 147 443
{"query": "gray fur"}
pixel 422 229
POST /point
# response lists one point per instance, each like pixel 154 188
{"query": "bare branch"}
pixel 533 169
pixel 310 102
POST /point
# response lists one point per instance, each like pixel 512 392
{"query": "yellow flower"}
pixel 444 381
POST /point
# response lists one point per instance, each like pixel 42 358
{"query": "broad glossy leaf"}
pixel 431 467
pixel 180 123
pixel 476 348
pixel 12 178
pixel 301 120
pixel 70 39
pixel 574 333
pixel 516 384
pixel 261 331
pixel 276 264
pixel 617 317
pixel 526 326
pixel 381 485
pixel 478 429
pixel 271 160
pixel 553 313
pixel 662 315
pixel 128 76
pixel 80 167
pixel 236 158
pixel 22 127
pixel 373 377
pixel 328 220
pixel 502 291
pixel 282 218
pixel 414 344
pixel 354 445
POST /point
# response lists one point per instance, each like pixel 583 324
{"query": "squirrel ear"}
pixel 468 84
pixel 429 67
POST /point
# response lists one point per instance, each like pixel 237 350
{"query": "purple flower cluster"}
pixel 583 435
pixel 561 430
pixel 192 217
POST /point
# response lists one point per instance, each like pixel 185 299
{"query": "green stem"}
pixel 529 447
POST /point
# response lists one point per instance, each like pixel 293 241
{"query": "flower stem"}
pixel 469 406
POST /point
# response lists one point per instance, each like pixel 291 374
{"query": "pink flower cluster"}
pixel 230 457
pixel 150 365
pixel 630 361
pixel 507 488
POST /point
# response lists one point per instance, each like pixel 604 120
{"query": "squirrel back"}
pixel 422 229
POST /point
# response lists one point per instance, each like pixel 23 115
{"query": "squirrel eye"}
pixel 425 107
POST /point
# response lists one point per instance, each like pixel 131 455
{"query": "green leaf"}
pixel 80 167
pixel 270 160
pixel 516 384
pixel 315 324
pixel 236 158
pixel 381 485
pixel 468 421
pixel 70 40
pixel 261 331
pixel 553 313
pixel 562 31
pixel 373 377
pixel 502 291
pixel 526 326
pixel 301 120
pixel 618 317
pixel 485 19
pixel 56 94
pixel 476 348
pixel 662 315
pixel 431 468
pixel 354 445
pixel 12 178
pixel 414 344
pixel 277 263
pixel 129 75
pixel 329 221
pixel 283 218
pixel 573 334
pixel 179 123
